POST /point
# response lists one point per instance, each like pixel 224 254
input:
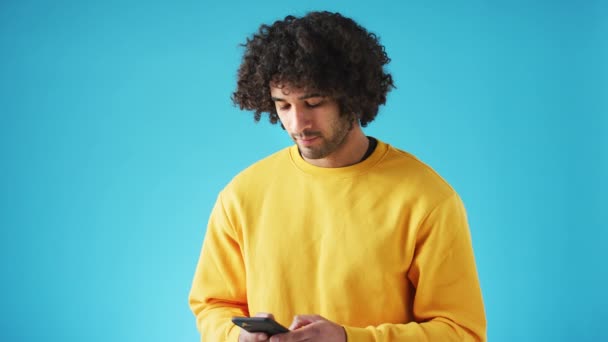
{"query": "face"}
pixel 312 120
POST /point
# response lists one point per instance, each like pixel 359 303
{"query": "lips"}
pixel 307 141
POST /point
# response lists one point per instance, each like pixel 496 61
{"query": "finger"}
pixel 304 320
pixel 252 337
pixel 259 337
pixel 298 322
pixel 280 338
pixel 264 314
pixel 308 333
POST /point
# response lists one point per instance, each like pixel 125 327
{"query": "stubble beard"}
pixel 340 128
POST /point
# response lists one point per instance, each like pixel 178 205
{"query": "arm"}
pixel 218 289
pixel 448 303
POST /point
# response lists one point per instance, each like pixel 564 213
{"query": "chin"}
pixel 313 154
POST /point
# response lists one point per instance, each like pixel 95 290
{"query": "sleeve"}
pixel 448 303
pixel 218 290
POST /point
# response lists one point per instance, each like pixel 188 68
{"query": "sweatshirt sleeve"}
pixel 448 303
pixel 218 290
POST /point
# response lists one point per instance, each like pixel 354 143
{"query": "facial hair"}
pixel 329 144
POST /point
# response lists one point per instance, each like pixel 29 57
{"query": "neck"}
pixel 349 153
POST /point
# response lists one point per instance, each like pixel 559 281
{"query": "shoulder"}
pixel 412 174
pixel 259 173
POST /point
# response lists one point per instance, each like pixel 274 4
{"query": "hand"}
pixel 246 336
pixel 312 328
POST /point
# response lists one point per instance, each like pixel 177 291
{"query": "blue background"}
pixel 117 132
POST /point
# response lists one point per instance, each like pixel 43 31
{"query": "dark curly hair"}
pixel 322 51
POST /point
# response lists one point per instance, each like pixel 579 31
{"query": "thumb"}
pixel 304 320
pixel 264 314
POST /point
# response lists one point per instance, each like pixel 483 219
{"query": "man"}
pixel 343 235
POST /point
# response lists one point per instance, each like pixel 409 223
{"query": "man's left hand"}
pixel 312 328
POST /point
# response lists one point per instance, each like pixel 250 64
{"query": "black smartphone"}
pixel 260 324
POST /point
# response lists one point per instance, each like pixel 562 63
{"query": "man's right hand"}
pixel 246 336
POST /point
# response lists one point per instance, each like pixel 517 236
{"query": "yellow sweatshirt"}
pixel 381 247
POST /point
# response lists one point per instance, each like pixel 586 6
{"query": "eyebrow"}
pixel 303 97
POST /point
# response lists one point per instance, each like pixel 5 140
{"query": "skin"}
pixel 324 137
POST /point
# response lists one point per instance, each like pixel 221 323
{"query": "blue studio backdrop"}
pixel 117 132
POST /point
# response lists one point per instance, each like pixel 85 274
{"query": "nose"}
pixel 299 119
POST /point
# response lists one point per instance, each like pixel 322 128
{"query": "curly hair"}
pixel 321 51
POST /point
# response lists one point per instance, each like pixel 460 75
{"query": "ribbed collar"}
pixel 347 171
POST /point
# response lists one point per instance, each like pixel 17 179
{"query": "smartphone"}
pixel 260 324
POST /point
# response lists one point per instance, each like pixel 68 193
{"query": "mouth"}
pixel 307 141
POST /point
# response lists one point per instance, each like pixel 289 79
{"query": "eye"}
pixel 314 103
pixel 283 106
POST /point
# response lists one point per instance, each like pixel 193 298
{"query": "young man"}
pixel 343 235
